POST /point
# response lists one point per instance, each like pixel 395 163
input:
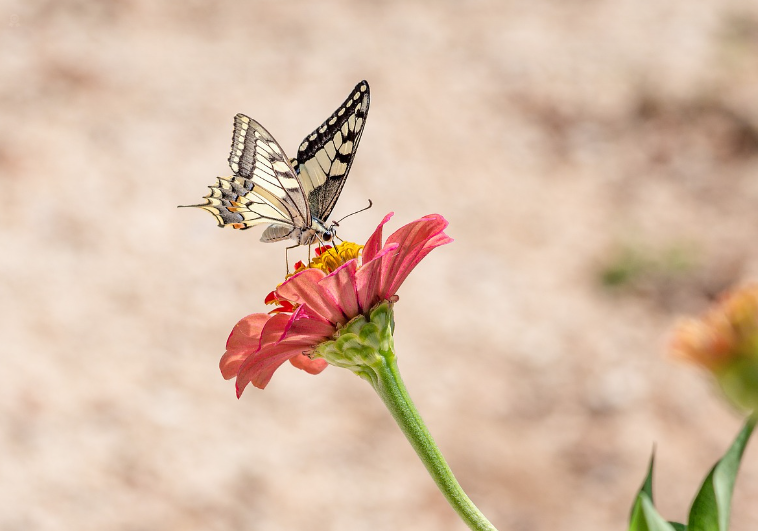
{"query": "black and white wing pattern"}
pixel 258 158
pixel 325 156
pixel 264 188
pixel 294 196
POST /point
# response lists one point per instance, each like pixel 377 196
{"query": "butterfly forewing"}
pixel 325 156
pixel 257 157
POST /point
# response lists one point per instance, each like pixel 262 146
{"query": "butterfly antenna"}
pixel 337 223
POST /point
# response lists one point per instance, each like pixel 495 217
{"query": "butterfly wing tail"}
pixel 220 202
pixel 238 202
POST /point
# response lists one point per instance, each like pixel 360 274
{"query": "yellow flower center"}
pixel 328 258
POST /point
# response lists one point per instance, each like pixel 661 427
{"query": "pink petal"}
pixel 303 288
pixel 341 284
pixel 231 361
pixel 247 329
pixel 243 341
pixel 311 366
pixel 416 240
pixel 274 329
pixel 260 367
pixel 374 243
pixel 368 278
pixel 283 337
pixel 306 325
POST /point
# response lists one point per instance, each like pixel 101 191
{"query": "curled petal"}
pixel 374 243
pixel 242 345
pixel 311 366
pixel 369 276
pixel 303 288
pixel 415 240
pixel 244 340
pixel 231 361
pixel 274 329
pixel 341 284
pixel 283 337
pixel 306 325
pixel 247 330
pixel 259 367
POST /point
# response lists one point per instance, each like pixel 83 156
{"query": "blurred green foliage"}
pixel 633 265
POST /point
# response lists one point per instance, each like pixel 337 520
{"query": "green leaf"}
pixel 711 509
pixel 647 517
pixel 678 526
pixel 644 516
pixel 647 485
pixel 646 488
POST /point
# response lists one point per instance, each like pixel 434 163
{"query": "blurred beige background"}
pixel 598 164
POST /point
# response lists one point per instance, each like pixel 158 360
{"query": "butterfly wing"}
pixel 264 189
pixel 260 160
pixel 325 156
pixel 233 201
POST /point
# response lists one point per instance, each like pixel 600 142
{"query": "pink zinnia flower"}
pixel 316 301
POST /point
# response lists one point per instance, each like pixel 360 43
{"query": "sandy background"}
pixel 597 161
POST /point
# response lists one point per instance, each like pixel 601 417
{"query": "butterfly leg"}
pixel 321 244
pixel 286 256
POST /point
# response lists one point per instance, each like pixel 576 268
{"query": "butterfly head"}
pixel 328 235
pixel 318 232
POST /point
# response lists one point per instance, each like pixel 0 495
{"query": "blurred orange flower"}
pixel 725 342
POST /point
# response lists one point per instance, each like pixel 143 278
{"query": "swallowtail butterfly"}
pixel 295 196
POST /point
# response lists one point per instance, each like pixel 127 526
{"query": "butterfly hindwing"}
pixel 258 159
pixel 325 156
pixel 232 201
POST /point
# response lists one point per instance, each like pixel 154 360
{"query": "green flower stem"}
pixel 366 347
pixel 393 393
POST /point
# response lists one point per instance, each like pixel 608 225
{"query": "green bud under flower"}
pixel 362 343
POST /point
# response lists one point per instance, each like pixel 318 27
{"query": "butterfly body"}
pixel 317 231
pixel 294 196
